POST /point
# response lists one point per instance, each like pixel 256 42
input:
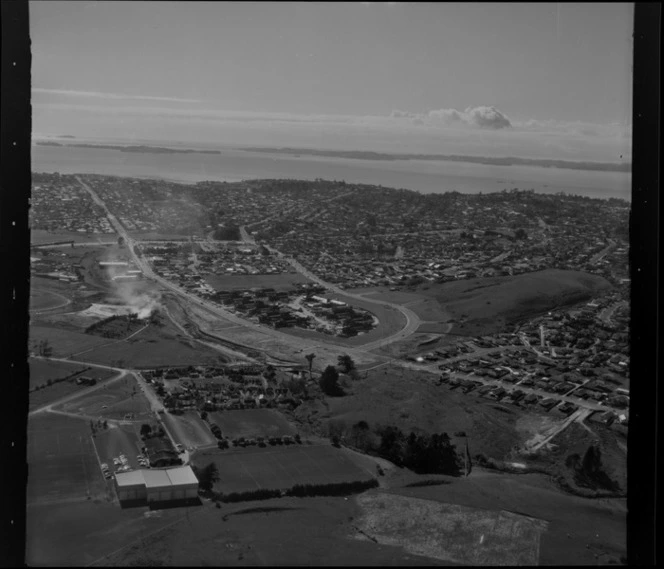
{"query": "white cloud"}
pixel 110 96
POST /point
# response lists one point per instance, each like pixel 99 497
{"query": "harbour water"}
pixel 419 175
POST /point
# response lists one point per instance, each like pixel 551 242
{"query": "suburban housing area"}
pixel 252 354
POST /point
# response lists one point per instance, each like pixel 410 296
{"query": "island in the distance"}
pixel 140 149
pixel 489 160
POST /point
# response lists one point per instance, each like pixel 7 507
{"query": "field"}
pixel 450 532
pixel 252 423
pixel 64 342
pixel 487 305
pixel 113 402
pixel 280 467
pixel 188 429
pixel 278 532
pixel 43 370
pixel 63 466
pixel 282 281
pixel 573 522
pixel 43 300
pixel 411 401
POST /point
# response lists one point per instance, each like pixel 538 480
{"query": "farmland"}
pixel 113 402
pixel 252 423
pixel 280 467
pixel 487 305
pixel 63 464
pixel 43 370
pixel 64 342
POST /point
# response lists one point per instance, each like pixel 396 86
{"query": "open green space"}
pixel 42 300
pixel 450 532
pixel 63 466
pixel 64 342
pixel 573 522
pixel 277 532
pixel 80 533
pixel 43 370
pixel 280 467
pixel 486 305
pixel 115 401
pixel 40 237
pixel 281 281
pixel 252 423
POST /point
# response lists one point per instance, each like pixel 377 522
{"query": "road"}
pixel 603 253
pixel 66 399
pixel 607 313
pixel 412 320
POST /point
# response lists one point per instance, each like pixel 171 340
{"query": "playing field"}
pixel 62 463
pixel 252 423
pixel 63 342
pixel 280 467
pixel 42 300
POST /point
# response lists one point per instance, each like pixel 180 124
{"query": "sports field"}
pixel 62 463
pixel 280 467
pixel 252 423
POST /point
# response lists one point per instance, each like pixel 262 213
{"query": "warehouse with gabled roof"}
pixel 158 485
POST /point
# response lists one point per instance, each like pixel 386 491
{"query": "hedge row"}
pixel 301 491
pixel 58 380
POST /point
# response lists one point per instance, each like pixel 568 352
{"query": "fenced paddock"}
pixel 280 467
pixel 62 463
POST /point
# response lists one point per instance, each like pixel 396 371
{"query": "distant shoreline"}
pixel 142 149
pixel 487 160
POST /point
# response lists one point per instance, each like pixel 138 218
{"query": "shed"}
pixel 184 483
pixel 158 486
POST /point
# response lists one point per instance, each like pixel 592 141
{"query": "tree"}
pixel 346 363
pixel 207 476
pixel 145 430
pixel 329 382
pixel 45 349
pixel 520 233
pixel 105 424
pixel 204 415
pixel 310 359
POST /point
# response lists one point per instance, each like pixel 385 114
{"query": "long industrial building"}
pixel 157 485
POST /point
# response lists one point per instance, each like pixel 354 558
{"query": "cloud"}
pixel 111 96
pixel 480 117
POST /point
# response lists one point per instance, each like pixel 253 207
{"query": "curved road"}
pixel 412 320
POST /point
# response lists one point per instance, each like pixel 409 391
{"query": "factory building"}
pixel 157 485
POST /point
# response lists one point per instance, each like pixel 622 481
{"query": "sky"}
pixel 500 79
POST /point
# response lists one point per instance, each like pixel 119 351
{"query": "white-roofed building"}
pixel 158 485
pixel 130 485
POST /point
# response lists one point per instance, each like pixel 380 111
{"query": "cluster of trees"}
pixel 99 327
pixel 302 491
pixel 329 379
pixel 97 426
pixel 589 472
pixel 424 454
pixel 230 232
pixel 45 349
pixel 148 432
pixel 207 476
